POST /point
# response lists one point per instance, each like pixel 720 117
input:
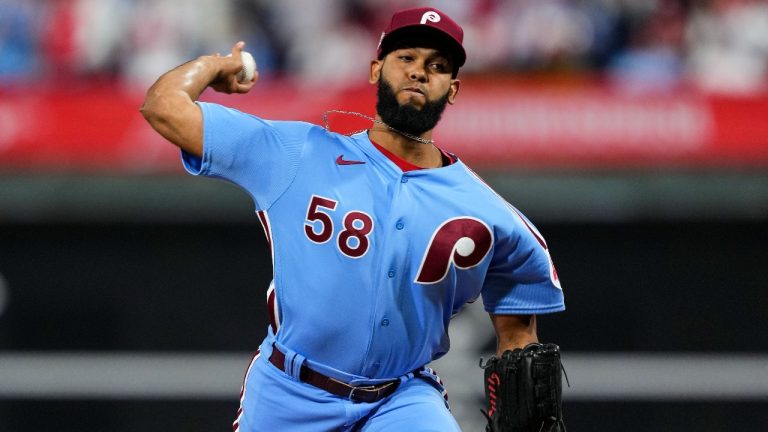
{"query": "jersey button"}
pixel 384 322
pixel 404 180
pixel 400 225
pixel 391 273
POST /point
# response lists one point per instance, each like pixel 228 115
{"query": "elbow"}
pixel 145 111
pixel 150 109
pixel 174 119
pixel 158 116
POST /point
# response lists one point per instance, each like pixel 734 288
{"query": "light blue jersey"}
pixel 370 263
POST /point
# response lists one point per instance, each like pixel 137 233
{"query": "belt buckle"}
pixel 371 388
pixel 361 398
pixel 352 396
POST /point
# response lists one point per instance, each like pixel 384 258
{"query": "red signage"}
pixel 493 124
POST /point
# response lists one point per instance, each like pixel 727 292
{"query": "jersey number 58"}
pixel 352 240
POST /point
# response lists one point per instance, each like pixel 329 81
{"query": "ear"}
pixel 453 91
pixel 375 73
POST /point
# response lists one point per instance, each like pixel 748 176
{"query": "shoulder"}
pixel 214 111
pixel 497 208
pixel 480 187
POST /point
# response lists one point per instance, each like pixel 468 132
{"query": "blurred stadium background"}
pixel 634 133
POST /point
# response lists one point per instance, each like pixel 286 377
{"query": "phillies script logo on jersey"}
pixel 463 242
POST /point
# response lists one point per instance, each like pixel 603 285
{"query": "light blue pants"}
pixel 274 401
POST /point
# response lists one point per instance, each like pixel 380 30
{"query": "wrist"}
pixel 208 66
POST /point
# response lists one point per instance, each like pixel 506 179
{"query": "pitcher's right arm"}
pixel 170 107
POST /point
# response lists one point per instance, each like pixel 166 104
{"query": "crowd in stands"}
pixel 637 45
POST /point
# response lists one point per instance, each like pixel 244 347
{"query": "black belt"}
pixel 331 385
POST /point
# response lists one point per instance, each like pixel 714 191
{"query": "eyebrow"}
pixel 437 53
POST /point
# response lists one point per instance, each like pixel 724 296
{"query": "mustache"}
pixel 407 117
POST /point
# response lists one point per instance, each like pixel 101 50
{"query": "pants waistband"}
pixel 366 394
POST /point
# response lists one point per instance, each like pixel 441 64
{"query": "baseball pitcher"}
pixel 377 240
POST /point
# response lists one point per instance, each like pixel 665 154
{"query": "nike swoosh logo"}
pixel 341 161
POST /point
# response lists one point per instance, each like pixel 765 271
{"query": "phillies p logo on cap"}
pixel 430 16
pixel 437 21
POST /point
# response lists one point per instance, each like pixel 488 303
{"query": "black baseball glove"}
pixel 523 390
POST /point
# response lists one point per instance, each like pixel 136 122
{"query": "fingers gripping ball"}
pixel 249 68
pixel 523 390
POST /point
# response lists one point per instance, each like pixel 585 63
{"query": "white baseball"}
pixel 249 67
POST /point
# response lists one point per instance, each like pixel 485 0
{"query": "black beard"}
pixel 407 118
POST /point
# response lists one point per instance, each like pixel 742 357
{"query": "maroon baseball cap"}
pixel 424 21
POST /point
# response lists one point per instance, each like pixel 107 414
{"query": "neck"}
pixel 415 152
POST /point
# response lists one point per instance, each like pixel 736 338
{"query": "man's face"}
pixel 414 86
